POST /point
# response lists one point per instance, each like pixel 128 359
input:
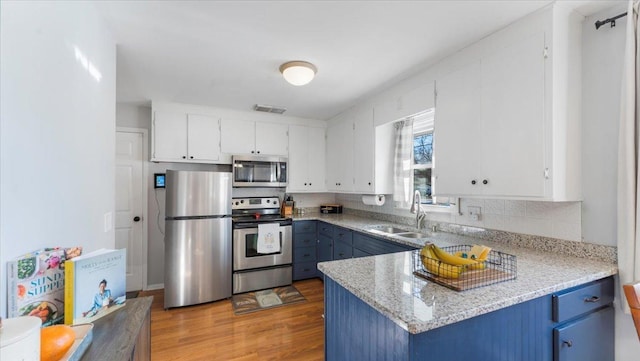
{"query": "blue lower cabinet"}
pixel 524 332
pixel 304 254
pixel 342 250
pixel 305 241
pixel 359 253
pixel 305 270
pixel 376 246
pixel 325 248
pixel 586 338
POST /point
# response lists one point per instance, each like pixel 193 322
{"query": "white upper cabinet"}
pixel 250 137
pixel 182 137
pixel 272 138
pixel 363 151
pixel 203 134
pixel 457 139
pixel 359 155
pixel 306 159
pixel 340 155
pixel 506 122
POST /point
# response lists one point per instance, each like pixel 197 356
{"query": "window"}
pixel 423 153
pixel 422 163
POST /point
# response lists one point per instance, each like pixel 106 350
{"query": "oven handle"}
pixel 255 225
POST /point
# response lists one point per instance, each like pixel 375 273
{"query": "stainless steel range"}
pixel 255 268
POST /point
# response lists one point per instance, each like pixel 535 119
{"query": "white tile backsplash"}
pixel 539 210
pixel 515 208
pixel 548 219
pixel 494 207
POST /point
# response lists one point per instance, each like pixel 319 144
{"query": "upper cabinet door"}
pixel 340 154
pixel 513 119
pixel 298 158
pixel 204 137
pixel 271 138
pixel 316 158
pixel 169 136
pixel 457 135
pixel 238 136
pixel 363 151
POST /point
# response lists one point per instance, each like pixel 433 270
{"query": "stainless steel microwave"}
pixel 259 171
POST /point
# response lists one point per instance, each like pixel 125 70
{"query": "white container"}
pixel 20 338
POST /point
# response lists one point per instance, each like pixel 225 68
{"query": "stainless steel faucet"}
pixel 416 208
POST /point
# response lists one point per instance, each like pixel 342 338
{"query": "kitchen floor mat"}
pixel 261 300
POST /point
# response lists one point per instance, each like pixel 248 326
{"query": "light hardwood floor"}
pixel 213 332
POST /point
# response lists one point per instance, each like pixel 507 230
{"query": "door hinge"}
pixel 545 52
pixel 546 173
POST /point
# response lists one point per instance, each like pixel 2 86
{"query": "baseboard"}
pixel 157 286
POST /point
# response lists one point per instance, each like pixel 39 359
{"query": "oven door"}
pixel 245 249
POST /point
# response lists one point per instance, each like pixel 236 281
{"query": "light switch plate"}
pixel 108 222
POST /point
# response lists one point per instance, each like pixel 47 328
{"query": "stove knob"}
pixel 237 203
pixel 268 200
pixel 242 201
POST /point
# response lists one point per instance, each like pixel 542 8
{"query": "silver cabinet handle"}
pixel 567 343
pixel 592 299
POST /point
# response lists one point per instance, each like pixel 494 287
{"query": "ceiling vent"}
pixel 269 109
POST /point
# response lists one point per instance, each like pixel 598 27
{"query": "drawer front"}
pixel 358 253
pixel 587 338
pixel 325 248
pixel 376 246
pixel 326 229
pixel 342 250
pixel 304 254
pixel 344 235
pixel 305 226
pixel 304 239
pixel 583 299
pixel 305 270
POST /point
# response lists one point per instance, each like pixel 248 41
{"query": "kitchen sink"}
pixel 396 232
pixel 411 235
pixel 388 229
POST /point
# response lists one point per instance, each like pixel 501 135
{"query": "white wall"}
pixel 57 129
pixel 603 51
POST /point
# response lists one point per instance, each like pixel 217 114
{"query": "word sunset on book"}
pixel 95 285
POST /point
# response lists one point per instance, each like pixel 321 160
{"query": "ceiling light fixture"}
pixel 298 72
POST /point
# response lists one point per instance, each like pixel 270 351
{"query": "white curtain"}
pixel 628 157
pixel 403 189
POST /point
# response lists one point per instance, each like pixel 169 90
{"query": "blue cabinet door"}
pixel 590 338
pixel 342 250
pixel 325 248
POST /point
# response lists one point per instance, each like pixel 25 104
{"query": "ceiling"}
pixel 227 53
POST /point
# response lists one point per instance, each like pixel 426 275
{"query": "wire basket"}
pixel 498 267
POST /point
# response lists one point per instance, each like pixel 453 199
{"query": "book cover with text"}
pixel 36 284
pixel 95 285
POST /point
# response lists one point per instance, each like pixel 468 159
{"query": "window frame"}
pixel 430 204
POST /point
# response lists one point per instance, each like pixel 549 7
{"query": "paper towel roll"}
pixel 376 200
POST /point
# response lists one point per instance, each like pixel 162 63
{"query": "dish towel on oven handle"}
pixel 268 238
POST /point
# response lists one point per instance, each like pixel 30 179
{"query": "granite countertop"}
pixel 387 282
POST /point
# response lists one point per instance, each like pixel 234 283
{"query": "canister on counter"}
pixel 330 208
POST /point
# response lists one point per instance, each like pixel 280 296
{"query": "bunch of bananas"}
pixel 441 263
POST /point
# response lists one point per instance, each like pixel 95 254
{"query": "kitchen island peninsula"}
pixel 558 308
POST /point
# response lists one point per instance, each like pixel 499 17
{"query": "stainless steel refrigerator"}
pixel 198 233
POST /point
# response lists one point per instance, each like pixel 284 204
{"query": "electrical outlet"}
pixel 474 213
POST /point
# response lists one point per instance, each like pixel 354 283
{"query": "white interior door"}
pixel 130 203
